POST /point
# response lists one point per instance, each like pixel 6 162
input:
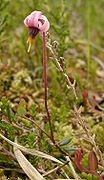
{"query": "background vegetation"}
pixel 76 36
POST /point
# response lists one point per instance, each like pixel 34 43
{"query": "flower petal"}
pixel 32 19
pixel 35 15
pixel 26 21
pixel 45 26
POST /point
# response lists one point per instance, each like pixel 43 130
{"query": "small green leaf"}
pixel 5 107
pixel 65 141
pixel 21 110
pixel 89 177
pixel 69 148
pixel 84 175
pixel 33 110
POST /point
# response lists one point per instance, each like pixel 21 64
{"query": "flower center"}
pixel 33 32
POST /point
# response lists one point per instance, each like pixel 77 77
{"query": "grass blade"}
pixel 31 151
pixel 27 167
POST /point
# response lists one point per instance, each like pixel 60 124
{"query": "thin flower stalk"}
pixel 37 22
pixel 45 84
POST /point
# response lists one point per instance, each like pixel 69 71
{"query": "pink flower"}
pixel 36 22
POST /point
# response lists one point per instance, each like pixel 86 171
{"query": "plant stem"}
pixel 45 85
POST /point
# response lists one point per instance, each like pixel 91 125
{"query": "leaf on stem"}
pixel 65 141
pixel 78 155
pixel 92 161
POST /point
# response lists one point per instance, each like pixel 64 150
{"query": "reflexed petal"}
pixel 45 26
pixel 34 18
pixel 26 21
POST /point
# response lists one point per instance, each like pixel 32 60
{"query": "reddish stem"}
pixel 45 84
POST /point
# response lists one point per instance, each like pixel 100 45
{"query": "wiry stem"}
pixel 54 56
pixel 45 84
